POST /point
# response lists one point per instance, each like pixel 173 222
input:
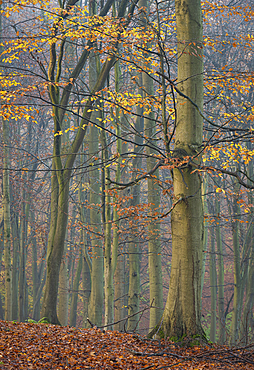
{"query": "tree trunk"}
pixel 86 283
pixel 75 290
pixel 96 297
pixel 213 286
pixel 182 314
pixel 221 314
pixel 22 311
pixel 1 253
pixel 7 223
pixel 120 286
pixel 205 236
pixel 59 207
pixel 248 306
pixel 63 301
pixel 134 251
pixel 154 243
pixel 235 323
pixel 15 266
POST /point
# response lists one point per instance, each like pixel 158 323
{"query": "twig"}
pixel 92 325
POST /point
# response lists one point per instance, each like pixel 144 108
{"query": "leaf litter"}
pixel 44 346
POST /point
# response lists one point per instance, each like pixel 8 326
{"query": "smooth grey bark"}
pixel 109 252
pixel 85 242
pixel 15 265
pixel 236 314
pixel 154 243
pixel 6 207
pixel 22 284
pixel 96 296
pixel 86 284
pixel 134 250
pixel 206 225
pixel 63 300
pixel 182 315
pixel 1 253
pixel 75 291
pixel 7 221
pixel 213 285
pixel 95 308
pixel 247 315
pixel 120 286
pixel 221 313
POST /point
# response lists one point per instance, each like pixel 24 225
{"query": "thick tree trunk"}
pixel 182 314
pixel 55 251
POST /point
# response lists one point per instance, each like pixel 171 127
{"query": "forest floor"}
pixel 44 346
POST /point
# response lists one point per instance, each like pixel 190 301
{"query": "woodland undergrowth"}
pixel 45 346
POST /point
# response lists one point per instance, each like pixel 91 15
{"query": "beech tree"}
pixel 182 312
pixel 62 171
pixel 125 140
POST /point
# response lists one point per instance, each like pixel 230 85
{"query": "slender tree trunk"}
pixel 23 302
pixel 75 290
pixel 120 302
pixel 134 269
pixel 213 286
pixel 15 266
pixel 1 253
pixel 86 259
pixel 205 237
pixel 7 223
pixel 221 314
pixel 63 301
pixel 248 306
pixel 154 243
pixel 96 297
pixel 34 264
pixel 182 312
pixel 108 252
pixel 134 250
pixel 86 284
pixel 235 323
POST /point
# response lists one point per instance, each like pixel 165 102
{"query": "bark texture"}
pixel 182 314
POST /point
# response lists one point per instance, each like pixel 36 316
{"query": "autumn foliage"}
pixel 43 346
pixel 39 82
